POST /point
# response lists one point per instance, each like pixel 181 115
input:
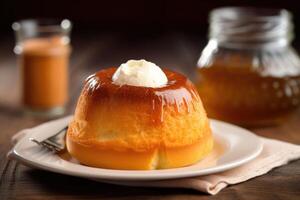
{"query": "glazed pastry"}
pixel 139 117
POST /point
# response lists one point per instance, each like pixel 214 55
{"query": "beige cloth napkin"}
pixel 274 154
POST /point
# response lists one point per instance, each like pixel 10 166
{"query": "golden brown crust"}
pixel 158 127
pixel 157 158
pixel 178 93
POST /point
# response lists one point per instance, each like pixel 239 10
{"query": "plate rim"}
pixel 123 175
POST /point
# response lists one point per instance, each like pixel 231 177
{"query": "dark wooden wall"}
pixel 123 15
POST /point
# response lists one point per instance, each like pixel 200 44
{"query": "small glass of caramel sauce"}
pixel 248 73
pixel 43 49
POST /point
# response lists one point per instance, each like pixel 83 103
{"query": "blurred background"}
pixel 171 33
pixel 132 16
pixel 134 22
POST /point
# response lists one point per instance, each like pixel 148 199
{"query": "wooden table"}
pixel 178 51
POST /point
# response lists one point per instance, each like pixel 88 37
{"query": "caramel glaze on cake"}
pixel 129 127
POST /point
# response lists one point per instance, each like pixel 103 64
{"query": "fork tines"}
pixel 48 144
pixel 54 143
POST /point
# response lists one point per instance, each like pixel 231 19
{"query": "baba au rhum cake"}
pixel 125 119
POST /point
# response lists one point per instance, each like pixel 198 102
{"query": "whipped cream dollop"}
pixel 140 73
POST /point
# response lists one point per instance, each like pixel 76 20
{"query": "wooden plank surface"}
pixel 178 51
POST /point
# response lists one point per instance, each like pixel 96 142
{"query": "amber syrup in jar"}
pixel 248 74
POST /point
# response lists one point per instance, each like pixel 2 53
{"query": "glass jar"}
pixel 43 49
pixel 248 73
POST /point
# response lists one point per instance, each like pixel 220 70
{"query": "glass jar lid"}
pixel 246 27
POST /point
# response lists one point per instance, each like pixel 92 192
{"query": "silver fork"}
pixel 55 143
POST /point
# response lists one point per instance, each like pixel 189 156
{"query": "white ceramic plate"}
pixel 234 147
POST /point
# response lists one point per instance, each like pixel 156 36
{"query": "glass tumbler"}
pixel 43 49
